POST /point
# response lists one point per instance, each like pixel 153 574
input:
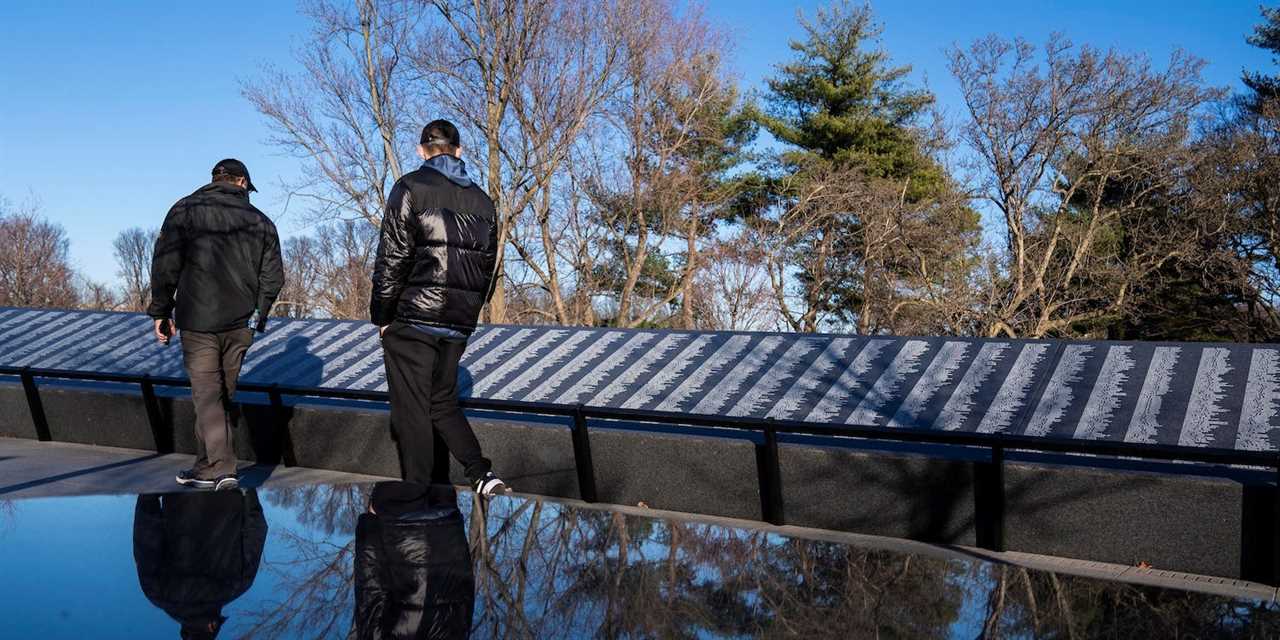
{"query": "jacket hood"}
pixel 224 187
pixel 450 167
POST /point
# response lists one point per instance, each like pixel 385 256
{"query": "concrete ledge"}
pixel 52 469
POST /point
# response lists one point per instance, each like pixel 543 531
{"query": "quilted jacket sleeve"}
pixel 166 263
pixel 270 275
pixel 394 261
pixel 491 259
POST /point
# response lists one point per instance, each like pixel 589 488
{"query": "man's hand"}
pixel 164 330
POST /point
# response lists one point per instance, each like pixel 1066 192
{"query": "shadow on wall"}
pixel 269 432
pixel 927 500
pixel 465 382
pixel 261 433
pixel 306 369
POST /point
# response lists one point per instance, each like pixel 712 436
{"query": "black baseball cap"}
pixel 235 168
pixel 441 132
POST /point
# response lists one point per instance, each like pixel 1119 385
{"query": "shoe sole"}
pixel 195 482
pixel 500 490
pixel 227 484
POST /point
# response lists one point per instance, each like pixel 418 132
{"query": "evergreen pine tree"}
pixel 844 103
pixel 1265 36
pixel 841 106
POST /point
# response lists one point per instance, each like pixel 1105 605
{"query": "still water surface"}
pixel 294 563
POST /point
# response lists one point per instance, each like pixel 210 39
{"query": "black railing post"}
pixel 280 421
pixel 582 456
pixel 35 406
pixel 769 474
pixel 160 432
pixel 989 501
pixel 1274 530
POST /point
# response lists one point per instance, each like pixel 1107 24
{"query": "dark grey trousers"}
pixel 213 364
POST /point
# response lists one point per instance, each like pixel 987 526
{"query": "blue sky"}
pixel 108 116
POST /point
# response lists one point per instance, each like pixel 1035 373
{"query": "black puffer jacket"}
pixel 413 577
pixel 222 258
pixel 437 253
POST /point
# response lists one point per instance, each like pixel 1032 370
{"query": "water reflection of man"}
pixel 196 553
pixel 413 574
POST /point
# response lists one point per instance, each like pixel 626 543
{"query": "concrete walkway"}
pixel 31 469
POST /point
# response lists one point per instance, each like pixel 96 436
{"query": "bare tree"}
pixel 732 289
pixel 526 75
pixel 133 249
pixel 34 266
pixel 1239 171
pixel 346 115
pixel 97 296
pixel 1072 146
pixel 845 249
pixel 347 250
pixel 802 233
pixel 917 261
pixel 327 272
pixel 302 267
pixel 472 61
pixel 671 133
pixel 572 71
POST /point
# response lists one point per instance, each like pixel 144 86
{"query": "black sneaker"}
pixel 490 485
pixel 187 478
pixel 228 482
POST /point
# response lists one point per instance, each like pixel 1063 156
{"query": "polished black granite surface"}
pixel 294 563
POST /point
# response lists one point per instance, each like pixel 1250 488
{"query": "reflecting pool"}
pixel 315 562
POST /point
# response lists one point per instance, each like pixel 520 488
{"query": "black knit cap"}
pixel 235 169
pixel 440 132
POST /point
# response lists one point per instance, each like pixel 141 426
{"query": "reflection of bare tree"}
pixel 315 588
pixel 1046 605
pixel 315 574
pixel 544 569
pixel 8 514
pixel 554 570
pixel 548 570
pixel 327 508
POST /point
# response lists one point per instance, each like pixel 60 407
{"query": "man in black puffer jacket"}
pixel 413 574
pixel 434 272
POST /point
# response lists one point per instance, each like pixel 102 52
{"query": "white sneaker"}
pixel 490 485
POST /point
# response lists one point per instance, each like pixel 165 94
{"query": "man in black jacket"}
pixel 412 568
pixel 222 258
pixel 196 553
pixel 434 271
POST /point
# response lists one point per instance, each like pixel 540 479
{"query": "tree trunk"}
pixel 497 308
pixel 691 264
